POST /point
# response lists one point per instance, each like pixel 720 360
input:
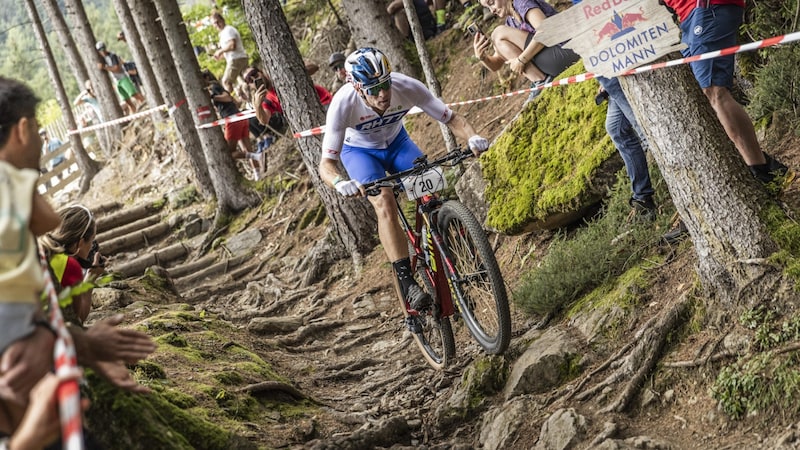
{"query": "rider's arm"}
pixel 329 171
pixel 461 128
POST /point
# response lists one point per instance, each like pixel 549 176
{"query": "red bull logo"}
pixel 620 25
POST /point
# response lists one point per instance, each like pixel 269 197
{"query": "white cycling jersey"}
pixel 350 120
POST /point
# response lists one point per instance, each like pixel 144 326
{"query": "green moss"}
pixel 185 197
pixel 541 163
pixel 149 370
pixel 178 398
pixel 485 377
pixel 122 420
pixel 173 339
pixel 158 204
pixel 228 377
pixel 786 233
pixel 313 216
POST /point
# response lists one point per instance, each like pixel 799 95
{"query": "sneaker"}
pixel 772 171
pixel 441 28
pixel 676 234
pixel 535 85
pixel 644 209
pixel 418 299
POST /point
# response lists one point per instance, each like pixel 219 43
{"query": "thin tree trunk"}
pixel 232 197
pixel 717 198
pixel 160 60
pixel 151 91
pixel 101 81
pixel 353 222
pixel 371 26
pixel 427 66
pixel 67 43
pixel 88 166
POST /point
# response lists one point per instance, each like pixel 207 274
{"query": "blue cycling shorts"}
pixel 367 164
pixel 707 30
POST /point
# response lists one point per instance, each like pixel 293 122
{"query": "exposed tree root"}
pixel 636 360
pixel 273 386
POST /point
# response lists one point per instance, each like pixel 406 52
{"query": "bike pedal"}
pixel 413 325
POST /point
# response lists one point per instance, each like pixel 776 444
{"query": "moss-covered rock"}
pixel 546 163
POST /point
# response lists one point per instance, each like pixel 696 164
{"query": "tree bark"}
pixel 427 66
pixel 371 26
pixel 232 197
pixel 126 21
pixel 160 60
pixel 717 198
pixel 88 166
pixel 101 80
pixel 353 222
pixel 59 25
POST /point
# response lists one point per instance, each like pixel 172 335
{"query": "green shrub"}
pixel 777 88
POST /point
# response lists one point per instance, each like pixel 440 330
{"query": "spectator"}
pixel 270 112
pixel 369 145
pixel 441 13
pixel 237 133
pixel 87 97
pixel 74 256
pixel 231 47
pixel 26 342
pixel 426 20
pixel 130 66
pixel 336 63
pixel 112 63
pixel 50 146
pixel 514 44
pixel 707 26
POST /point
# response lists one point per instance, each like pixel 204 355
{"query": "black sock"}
pixel 403 269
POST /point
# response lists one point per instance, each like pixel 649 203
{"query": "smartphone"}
pixel 473 29
pixel 258 82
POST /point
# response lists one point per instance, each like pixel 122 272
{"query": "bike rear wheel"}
pixel 432 333
pixel 476 281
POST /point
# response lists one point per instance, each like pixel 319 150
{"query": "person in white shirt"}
pixel 364 129
pixel 231 47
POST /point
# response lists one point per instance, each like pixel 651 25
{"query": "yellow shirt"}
pixel 21 277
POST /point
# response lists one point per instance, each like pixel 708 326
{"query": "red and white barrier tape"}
pixel 243 115
pixel 66 360
pixel 785 39
pixel 116 121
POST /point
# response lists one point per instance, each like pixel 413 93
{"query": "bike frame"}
pixel 425 214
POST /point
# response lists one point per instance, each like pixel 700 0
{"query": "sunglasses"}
pixel 337 67
pixel 376 89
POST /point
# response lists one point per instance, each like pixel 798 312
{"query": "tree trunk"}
pixel 67 43
pixel 87 164
pixel 160 60
pixel 353 221
pixel 232 197
pixel 427 66
pixel 101 81
pixel 717 198
pixel 126 21
pixel 371 26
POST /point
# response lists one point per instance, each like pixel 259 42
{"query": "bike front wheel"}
pixel 476 281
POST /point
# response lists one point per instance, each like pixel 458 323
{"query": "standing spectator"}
pixel 50 146
pixel 706 26
pixel 130 66
pixel 514 44
pixel 336 63
pixel 237 133
pixel 112 63
pixel 231 47
pixel 426 20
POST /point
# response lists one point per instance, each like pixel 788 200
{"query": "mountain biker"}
pixel 364 129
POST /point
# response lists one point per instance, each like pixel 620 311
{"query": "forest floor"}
pixel 364 367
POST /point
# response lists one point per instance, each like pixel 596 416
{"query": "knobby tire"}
pixel 477 284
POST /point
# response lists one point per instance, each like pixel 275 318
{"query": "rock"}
pixel 481 379
pixel 107 298
pixel 562 430
pixel 243 242
pixel 274 325
pixel 500 425
pixel 545 364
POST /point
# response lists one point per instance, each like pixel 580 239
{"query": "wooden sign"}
pixel 613 36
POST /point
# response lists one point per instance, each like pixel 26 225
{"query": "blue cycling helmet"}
pixel 367 67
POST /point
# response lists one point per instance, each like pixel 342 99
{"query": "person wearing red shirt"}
pixel 710 25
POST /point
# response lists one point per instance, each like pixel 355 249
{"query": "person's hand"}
pixel 480 44
pixel 117 374
pixel 108 342
pixel 516 65
pixel 217 54
pixel 24 363
pixel 40 425
pixel 478 144
pixel 349 188
pixel 101 66
pixel 260 93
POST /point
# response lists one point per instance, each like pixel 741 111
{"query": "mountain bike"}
pixel 452 257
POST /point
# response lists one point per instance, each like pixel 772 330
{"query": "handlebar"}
pixel 421 164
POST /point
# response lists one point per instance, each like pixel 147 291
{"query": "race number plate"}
pixel 426 183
